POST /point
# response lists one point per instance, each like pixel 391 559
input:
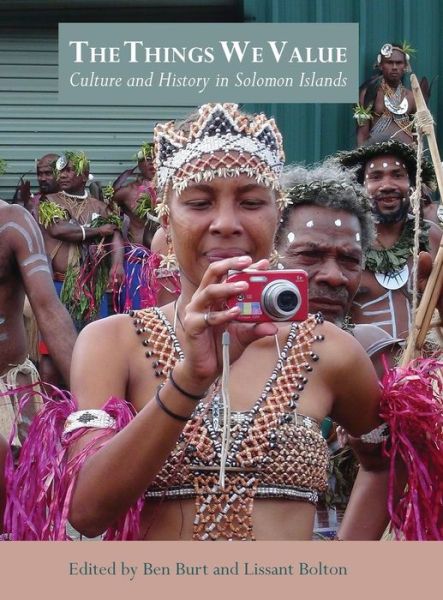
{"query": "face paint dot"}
pixel 366 176
pixel 403 165
pixel 397 163
pixel 310 224
pixel 385 165
pixel 357 237
pixel 371 166
pixel 337 222
pixel 291 237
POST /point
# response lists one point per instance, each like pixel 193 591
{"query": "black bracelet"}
pixel 194 397
pixel 166 409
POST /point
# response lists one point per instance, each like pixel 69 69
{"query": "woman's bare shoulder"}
pixel 100 361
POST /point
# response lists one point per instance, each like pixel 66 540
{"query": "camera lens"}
pixel 281 300
pixel 287 300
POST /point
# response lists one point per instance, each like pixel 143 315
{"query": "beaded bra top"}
pixel 274 452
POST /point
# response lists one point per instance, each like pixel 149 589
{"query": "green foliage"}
pixel 3 165
pixel 73 294
pixel 362 114
pixel 144 206
pixel 389 260
pixel 79 161
pixel 108 193
pixel 112 219
pixel 49 213
pixel 146 151
pixel 407 48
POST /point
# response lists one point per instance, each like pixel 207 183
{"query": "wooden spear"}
pixel 417 335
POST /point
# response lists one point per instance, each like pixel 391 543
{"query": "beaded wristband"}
pixel 194 397
pixel 166 409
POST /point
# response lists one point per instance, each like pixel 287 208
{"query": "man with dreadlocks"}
pixel 79 235
pixel 386 106
pixel 387 170
pixel 137 200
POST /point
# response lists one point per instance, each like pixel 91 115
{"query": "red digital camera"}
pixel 271 296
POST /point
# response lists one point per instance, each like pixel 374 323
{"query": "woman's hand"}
pixel 205 319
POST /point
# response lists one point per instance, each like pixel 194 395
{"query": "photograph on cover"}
pixel 221 273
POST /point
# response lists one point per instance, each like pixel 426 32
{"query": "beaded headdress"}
pixel 221 142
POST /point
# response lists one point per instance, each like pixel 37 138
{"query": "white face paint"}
pixel 371 166
pixel 357 237
pixel 310 224
pixel 397 163
pixel 291 237
pixel 337 222
pixel 3 337
pixel 2 320
pixel 385 165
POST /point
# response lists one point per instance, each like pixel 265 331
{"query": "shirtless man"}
pixel 387 171
pixel 389 104
pixel 137 201
pixel 24 269
pixel 128 196
pixel 66 219
pixel 46 175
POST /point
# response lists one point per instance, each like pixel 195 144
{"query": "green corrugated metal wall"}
pixel 32 123
pixel 314 131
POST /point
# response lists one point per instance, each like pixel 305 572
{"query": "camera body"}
pixel 271 296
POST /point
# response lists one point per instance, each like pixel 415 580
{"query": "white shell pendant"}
pixel 394 280
pixel 397 109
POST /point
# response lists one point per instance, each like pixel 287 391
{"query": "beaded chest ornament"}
pixel 272 452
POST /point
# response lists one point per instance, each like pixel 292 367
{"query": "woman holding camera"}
pixel 218 176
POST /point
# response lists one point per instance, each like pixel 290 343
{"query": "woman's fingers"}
pixel 214 294
pixel 260 265
pixel 217 270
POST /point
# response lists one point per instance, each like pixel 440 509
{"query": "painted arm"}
pixel 53 319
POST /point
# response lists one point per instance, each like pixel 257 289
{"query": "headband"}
pixel 221 142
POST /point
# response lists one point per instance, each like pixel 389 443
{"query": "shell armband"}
pixel 377 435
pixel 94 418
